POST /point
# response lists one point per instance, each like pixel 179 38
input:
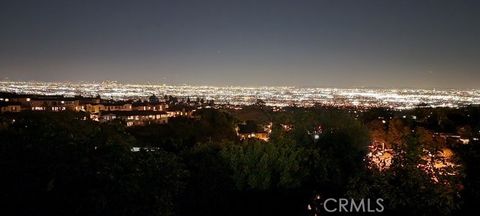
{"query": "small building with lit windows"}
pixel 10 107
pixel 245 132
pixel 153 106
pixel 133 118
pixel 53 103
pixel 117 106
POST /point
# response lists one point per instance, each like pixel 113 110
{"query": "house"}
pixel 133 118
pixel 10 107
pixel 454 138
pixel 41 102
pixel 88 100
pixel 52 103
pixel 117 106
pixel 13 97
pixel 249 131
pixel 155 106
pixel 180 111
pixel 94 107
pixel 133 113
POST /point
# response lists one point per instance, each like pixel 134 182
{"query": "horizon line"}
pixel 229 86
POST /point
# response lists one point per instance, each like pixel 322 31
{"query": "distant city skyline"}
pixel 158 83
pixel 303 43
pixel 273 96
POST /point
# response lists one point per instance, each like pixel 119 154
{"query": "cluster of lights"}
pixel 273 96
pixel 379 157
pixel 435 165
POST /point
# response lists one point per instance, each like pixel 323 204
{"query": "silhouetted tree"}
pixel 56 164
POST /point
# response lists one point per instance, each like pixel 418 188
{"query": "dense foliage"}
pixel 63 164
pixel 57 164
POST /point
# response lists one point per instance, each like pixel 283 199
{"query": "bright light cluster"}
pixel 274 96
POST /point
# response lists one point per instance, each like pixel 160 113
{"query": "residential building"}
pixel 133 118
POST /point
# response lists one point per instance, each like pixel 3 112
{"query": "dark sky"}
pixel 322 43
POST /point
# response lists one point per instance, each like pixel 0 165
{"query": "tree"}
pixel 210 186
pixel 337 158
pixel 57 164
pixel 397 131
pixel 268 177
pixel 259 165
pixel 470 158
pixel 407 186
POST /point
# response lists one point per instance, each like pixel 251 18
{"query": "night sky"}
pixel 320 43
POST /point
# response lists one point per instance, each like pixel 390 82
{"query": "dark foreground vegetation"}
pixel 60 164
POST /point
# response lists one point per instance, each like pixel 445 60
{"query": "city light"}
pixel 272 96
